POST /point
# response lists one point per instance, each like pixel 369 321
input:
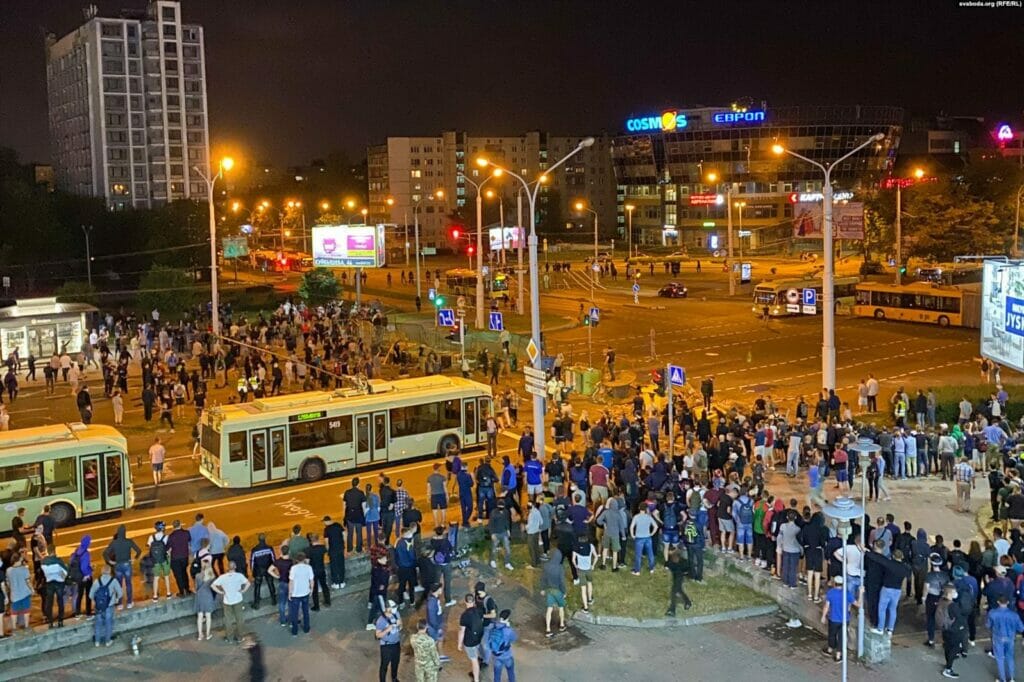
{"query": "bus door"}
pixel 91 472
pixel 267 460
pixel 113 481
pixel 470 422
pixel 380 437
pixel 483 409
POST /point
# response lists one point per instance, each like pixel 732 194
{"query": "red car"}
pixel 673 290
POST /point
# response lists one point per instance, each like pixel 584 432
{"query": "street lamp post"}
pixel 479 243
pixel 629 229
pixel 438 194
pixel 580 206
pixel 225 165
pixel 531 196
pixel 88 256
pixel 713 178
pixel 918 174
pixel 844 509
pixel 740 205
pixel 828 309
pixel 865 448
pixel 519 241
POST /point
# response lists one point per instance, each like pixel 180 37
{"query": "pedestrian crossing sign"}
pixel 677 375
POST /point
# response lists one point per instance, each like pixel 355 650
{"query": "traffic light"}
pixel 456 233
pixel 470 250
pixel 903 269
pixel 439 300
pixel 586 320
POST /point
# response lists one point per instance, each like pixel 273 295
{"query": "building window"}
pixel 416 173
pixel 110 30
pixel 167 13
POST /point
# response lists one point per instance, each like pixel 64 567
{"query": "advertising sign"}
pixel 847 220
pixel 348 246
pixel 235 247
pixel 706 199
pixel 1002 314
pixel 512 238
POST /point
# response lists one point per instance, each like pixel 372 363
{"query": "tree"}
pixel 169 290
pixel 950 222
pixel 319 286
pixel 74 291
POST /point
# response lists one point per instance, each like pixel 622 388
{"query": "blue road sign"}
pixel 636 287
pixel 431 293
pixel 446 317
pixel 595 313
pixel 496 323
pixel 810 297
pixel 677 375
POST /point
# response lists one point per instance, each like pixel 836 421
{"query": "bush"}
pixel 77 292
pixel 947 408
pixel 319 286
pixel 171 291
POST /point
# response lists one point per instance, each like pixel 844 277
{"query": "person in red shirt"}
pixel 598 483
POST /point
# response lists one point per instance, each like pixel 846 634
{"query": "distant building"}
pixel 128 108
pixel 409 170
pixel 663 160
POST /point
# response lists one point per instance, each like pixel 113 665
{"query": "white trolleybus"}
pixel 78 470
pixel 306 436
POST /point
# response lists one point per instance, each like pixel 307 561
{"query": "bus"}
pixel 957 306
pixel 306 436
pixel 785 296
pixel 78 470
pixel 951 273
pixel 462 282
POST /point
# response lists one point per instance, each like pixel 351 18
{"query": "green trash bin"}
pixel 589 380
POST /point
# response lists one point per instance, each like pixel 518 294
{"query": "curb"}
pixel 626 622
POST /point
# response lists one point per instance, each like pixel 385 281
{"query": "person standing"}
pixel 501 639
pixel 953 623
pixel 424 651
pixel 609 362
pixel 963 474
pixel 178 548
pixel 471 632
pixel 388 631
pixel 553 586
pixel 1005 625
pixel 436 485
pixel 355 517
pixel 205 601
pixel 642 530
pixel 405 558
pixel 80 571
pixel 55 573
pixel 300 585
pixel 334 534
pixel 104 593
pixel 279 571
pixel 261 558
pixel 157 546
pixel 84 403
pixel 232 585
pixel 117 403
pixel 119 554
pixel 872 393
pixel 316 554
pixel 584 557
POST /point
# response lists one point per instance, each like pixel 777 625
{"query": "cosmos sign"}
pixel 667 122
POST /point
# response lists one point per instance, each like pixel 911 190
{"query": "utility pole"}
pixel 728 209
pixel 519 241
pixel 88 255
pixel 899 236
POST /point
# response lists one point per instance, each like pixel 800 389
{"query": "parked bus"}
pixel 78 470
pixel 785 296
pixel 309 435
pixel 462 282
pixel 951 273
pixel 957 306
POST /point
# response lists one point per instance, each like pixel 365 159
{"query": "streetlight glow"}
pixel 579 205
pixel 390 201
pixel 351 204
pixel 919 173
pixel 778 149
pixel 235 206
pixel 227 163
pixel 497 172
pixel 712 177
pixel 482 162
pixel 439 194
pixel 324 206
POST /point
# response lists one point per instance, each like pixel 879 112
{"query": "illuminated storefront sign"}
pixel 730 117
pixel 667 122
pixel 706 199
pixel 1004 133
pixel 806 197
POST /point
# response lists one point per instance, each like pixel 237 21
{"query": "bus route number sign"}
pixel 307 416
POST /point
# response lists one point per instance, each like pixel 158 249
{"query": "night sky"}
pixel 291 81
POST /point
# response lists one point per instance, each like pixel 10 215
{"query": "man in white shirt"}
pixel 300 586
pixel 232 585
pixel 853 555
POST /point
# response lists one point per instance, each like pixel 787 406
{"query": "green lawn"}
pixel 645 596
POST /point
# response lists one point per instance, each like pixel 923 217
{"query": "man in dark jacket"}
pixel 178 543
pixel 119 555
pixel 261 558
pixel 334 534
pixel 84 403
pixel 236 553
pixel 316 553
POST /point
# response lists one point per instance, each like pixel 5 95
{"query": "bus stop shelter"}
pixel 43 327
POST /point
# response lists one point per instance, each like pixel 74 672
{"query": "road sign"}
pixel 431 293
pixel 793 308
pixel 532 351
pixel 535 390
pixel 486 271
pixel 810 300
pixel 235 247
pixel 636 287
pixel 745 273
pixel 595 314
pixel 446 317
pixel 677 375
pixel 461 302
pixel 496 323
pixel 534 373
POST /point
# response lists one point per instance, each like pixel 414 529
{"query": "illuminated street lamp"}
pixel 713 178
pixel 325 206
pixel 531 190
pixel 828 308
pixel 226 164
pixel 594 267
pixel 629 227
pixel 439 195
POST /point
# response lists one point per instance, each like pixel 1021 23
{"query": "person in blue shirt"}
pixel 1004 625
pixel 501 639
pixel 526 443
pixel 967 584
pixel 465 481
pixel 836 600
pixel 534 475
pixel 197 533
pixel 388 631
pixel 510 486
pixel 607 455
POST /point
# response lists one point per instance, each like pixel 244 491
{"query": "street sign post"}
pixel 446 317
pixel 532 352
pixel 636 292
pixel 496 322
pixel 534 373
pixel 431 293
pixel 595 314
pixel 534 390
pixel 675 376
pixel 810 301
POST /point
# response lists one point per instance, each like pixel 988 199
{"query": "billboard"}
pixel 847 220
pixel 235 247
pixel 513 237
pixel 1002 313
pixel 348 246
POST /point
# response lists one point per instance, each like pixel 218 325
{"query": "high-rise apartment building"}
pixel 409 170
pixel 128 109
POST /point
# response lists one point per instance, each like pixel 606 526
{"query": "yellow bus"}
pixel 78 470
pixel 462 282
pixel 785 296
pixel 957 306
pixel 306 436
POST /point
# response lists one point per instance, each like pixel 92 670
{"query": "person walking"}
pixel 388 631
pixel 471 632
pixel 837 600
pixel 231 585
pixel 501 639
pixel 678 571
pixel 205 600
pixel 104 593
pixel 300 585
pixel 953 623
pixel 424 651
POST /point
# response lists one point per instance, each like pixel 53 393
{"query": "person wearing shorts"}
pixel 437 484
pixel 744 534
pixel 728 531
pixel 555 599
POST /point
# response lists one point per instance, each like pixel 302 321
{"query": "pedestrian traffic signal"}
pixel 903 269
pixel 586 320
pixel 439 300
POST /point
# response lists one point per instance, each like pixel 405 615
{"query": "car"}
pixel 673 290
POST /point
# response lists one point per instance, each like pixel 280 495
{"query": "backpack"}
pixel 74 569
pixel 195 566
pixel 690 531
pixel 671 519
pixel 102 598
pixel 942 617
pixel 746 512
pixel 158 550
pixel 497 642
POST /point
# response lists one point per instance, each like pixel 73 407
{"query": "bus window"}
pixel 237 452
pixel 18 481
pixel 450 417
pixel 320 432
pixel 59 475
pixel 91 478
pixel 209 440
pixel 864 298
pixel 113 476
